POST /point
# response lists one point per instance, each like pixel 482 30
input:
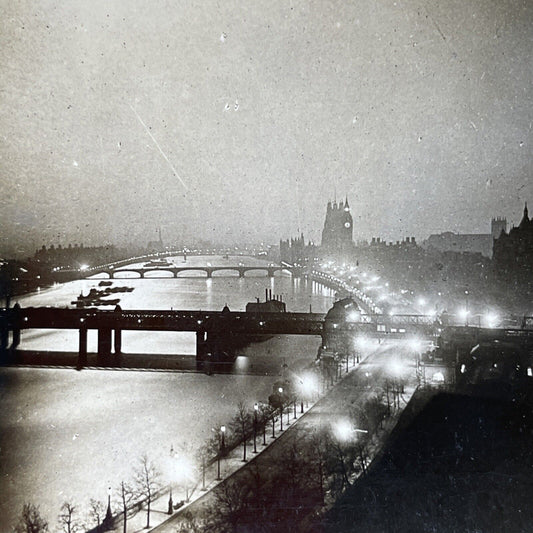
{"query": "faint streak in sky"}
pixel 159 147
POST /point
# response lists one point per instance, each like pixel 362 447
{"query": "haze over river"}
pixel 68 435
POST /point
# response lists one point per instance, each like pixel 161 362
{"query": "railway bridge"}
pixel 218 331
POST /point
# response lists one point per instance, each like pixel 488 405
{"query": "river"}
pixel 67 435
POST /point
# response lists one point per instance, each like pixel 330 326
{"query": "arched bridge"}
pixel 209 270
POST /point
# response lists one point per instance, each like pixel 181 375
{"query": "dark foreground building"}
pixel 513 254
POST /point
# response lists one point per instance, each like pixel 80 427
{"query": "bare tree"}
pixel 146 480
pixel 66 519
pixel 315 450
pixel 376 411
pixel 190 524
pixel 126 495
pixel 241 425
pixel 30 520
pixel 229 510
pixel 203 456
pixel 96 512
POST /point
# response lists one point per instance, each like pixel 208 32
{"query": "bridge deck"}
pixel 184 320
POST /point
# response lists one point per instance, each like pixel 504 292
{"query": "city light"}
pixel 396 368
pixel 491 319
pixel 354 316
pixel 84 267
pixel 463 313
pixel 362 343
pixel 308 385
pixel 344 431
pixel 415 344
pixel 421 300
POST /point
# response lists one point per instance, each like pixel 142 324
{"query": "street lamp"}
pixel 221 445
pixel 256 407
pixel 280 390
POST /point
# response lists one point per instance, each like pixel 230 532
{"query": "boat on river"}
pixel 94 299
pixel 157 263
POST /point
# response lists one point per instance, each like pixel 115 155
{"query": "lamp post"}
pixel 467 311
pixel 220 449
pixel 263 421
pixel 256 407
pixel 280 390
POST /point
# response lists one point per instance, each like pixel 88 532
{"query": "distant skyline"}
pixel 235 122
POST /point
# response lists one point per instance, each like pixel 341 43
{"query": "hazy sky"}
pixel 239 120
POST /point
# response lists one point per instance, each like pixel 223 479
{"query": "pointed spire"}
pixel 346 205
pixel 525 218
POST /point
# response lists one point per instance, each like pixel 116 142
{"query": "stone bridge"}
pixel 209 270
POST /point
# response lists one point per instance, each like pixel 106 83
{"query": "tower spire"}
pixel 525 218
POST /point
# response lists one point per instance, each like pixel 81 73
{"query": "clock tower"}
pixel 337 235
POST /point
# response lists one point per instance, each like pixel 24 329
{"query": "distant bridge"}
pixel 117 267
pixel 209 270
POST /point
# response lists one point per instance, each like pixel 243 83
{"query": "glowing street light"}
pixel 354 316
pixel 256 408
pixel 491 319
pixel 463 315
pixel 280 390
pixel 344 431
pixel 221 445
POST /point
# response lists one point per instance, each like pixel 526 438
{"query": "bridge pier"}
pixel 82 350
pixel 104 346
pixel 201 345
pixel 4 341
pixel 15 339
pixel 209 274
pixel 118 341
pixel 270 272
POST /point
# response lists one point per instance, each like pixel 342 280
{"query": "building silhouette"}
pixel 513 254
pixel 295 251
pixel 480 243
pixel 337 235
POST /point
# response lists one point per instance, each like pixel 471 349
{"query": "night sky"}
pixel 237 121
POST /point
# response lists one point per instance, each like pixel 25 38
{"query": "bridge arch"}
pixel 158 273
pixel 225 272
pixel 255 272
pixel 192 272
pixel 119 274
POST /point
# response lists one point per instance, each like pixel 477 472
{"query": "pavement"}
pixel 354 386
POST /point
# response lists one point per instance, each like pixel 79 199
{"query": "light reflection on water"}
pixel 72 434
